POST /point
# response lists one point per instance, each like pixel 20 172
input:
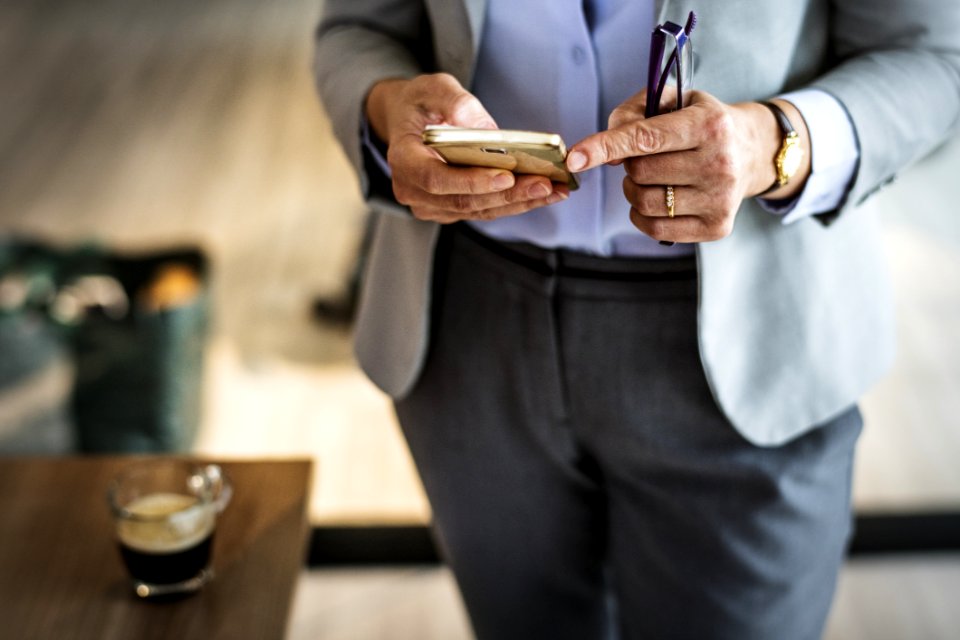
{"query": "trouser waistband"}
pixel 565 263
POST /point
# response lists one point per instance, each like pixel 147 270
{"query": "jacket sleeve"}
pixel 898 76
pixel 358 43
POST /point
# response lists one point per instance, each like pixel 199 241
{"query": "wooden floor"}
pixel 911 598
pixel 139 125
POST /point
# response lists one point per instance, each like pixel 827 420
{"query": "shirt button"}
pixel 579 55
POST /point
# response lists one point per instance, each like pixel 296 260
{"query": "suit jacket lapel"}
pixel 476 10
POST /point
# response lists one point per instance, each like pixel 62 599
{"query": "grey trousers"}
pixel 584 483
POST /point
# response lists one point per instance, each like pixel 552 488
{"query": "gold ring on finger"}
pixel 671 201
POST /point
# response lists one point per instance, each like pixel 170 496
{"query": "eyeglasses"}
pixel 678 66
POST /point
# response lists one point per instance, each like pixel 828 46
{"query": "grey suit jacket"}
pixel 795 321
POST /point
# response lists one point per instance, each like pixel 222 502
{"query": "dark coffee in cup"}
pixel 167 568
pixel 167 538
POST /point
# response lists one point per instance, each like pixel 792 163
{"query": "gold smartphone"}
pixel 533 152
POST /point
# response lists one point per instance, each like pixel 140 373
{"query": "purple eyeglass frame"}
pixel 658 73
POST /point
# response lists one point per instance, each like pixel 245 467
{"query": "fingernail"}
pixel 576 160
pixel 503 181
pixel 538 190
pixel 557 196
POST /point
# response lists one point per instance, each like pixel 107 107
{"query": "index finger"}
pixel 676 131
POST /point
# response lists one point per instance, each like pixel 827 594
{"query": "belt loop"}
pixel 552 260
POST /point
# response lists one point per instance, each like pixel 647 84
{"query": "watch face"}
pixel 791 155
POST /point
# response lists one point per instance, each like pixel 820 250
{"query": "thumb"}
pixel 460 108
pixel 465 110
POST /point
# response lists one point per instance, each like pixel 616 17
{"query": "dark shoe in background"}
pixel 336 311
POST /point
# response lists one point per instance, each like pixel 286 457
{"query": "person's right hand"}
pixel 399 110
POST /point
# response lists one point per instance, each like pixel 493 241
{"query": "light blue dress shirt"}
pixel 563 66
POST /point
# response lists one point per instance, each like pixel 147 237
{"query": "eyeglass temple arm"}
pixel 673 60
pixel 657 44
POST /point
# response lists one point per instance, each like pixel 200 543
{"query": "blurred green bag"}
pixel 139 370
pixel 133 328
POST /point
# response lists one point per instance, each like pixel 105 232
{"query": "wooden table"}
pixel 60 570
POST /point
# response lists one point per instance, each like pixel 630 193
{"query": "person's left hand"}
pixel 713 154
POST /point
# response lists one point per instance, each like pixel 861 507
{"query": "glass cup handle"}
pixel 212 481
pixel 219 485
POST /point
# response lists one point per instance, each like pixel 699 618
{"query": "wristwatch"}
pixel 790 156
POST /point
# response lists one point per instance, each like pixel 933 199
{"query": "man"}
pixel 598 418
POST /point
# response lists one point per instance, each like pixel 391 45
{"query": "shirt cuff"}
pixel 376 148
pixel 834 156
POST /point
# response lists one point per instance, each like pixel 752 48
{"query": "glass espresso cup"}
pixel 165 512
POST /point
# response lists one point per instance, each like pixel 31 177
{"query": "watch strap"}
pixel 786 128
